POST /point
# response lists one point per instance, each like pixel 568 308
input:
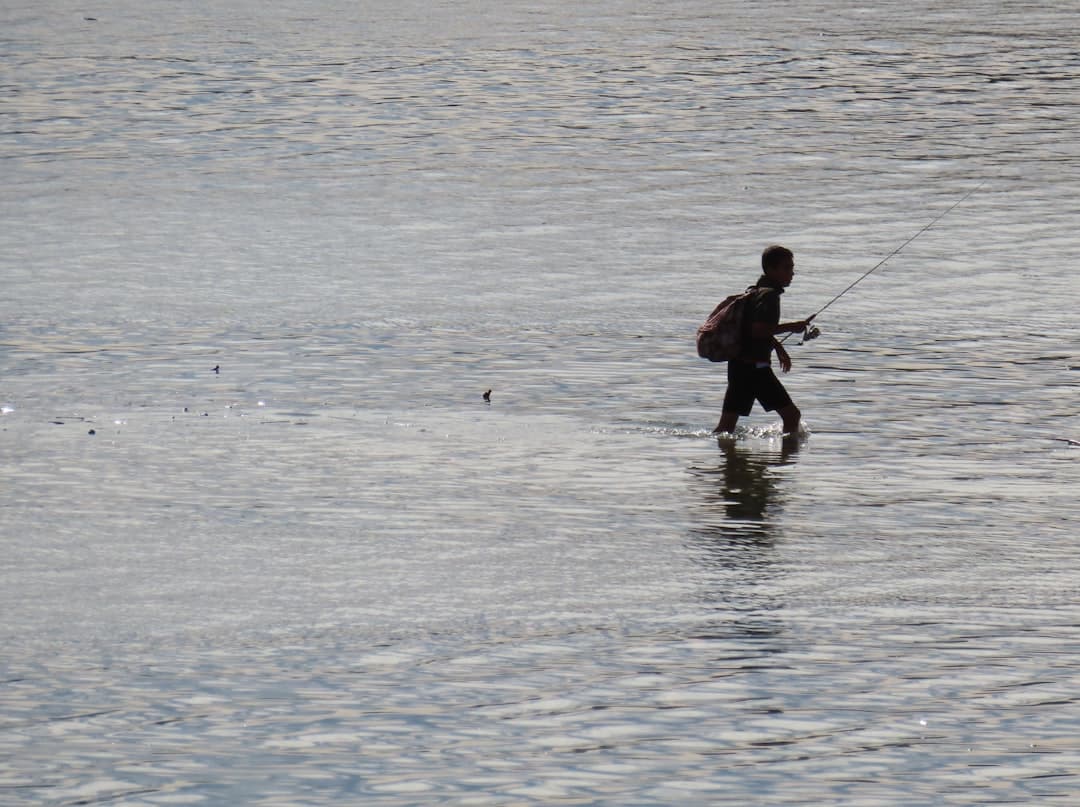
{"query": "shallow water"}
pixel 330 572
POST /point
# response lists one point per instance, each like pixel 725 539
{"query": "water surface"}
pixel 329 572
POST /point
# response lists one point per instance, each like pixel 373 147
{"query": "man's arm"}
pixel 763 330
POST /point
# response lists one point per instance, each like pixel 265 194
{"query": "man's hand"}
pixel 782 355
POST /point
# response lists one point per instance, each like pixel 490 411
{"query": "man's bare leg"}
pixel 727 423
pixel 791 417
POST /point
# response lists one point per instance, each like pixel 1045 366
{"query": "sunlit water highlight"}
pixel 331 573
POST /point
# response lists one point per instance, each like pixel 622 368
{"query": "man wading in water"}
pixel 752 378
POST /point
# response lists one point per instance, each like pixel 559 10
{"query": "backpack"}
pixel 723 336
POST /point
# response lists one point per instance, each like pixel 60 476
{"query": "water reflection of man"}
pixel 748 486
pixel 744 488
pixel 734 537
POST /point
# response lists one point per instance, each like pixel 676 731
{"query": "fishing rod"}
pixel 813 333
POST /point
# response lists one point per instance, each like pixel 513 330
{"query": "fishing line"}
pixel 880 263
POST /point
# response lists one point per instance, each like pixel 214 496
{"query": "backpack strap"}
pixel 758 294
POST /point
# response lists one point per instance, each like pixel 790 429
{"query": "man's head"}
pixel 778 264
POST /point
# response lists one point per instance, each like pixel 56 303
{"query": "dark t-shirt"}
pixel 765 307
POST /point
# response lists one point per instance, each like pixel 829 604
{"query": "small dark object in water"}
pixel 217 368
pixel 487 396
pixel 91 432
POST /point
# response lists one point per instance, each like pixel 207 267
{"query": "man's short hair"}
pixel 775 255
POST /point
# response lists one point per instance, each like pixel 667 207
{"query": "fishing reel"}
pixel 811 333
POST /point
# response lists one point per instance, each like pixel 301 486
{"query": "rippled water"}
pixel 330 572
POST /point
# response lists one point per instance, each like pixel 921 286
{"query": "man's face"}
pixel 783 272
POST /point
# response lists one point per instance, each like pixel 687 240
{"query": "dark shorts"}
pixel 747 383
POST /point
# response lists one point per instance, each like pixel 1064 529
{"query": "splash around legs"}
pixel 792 425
